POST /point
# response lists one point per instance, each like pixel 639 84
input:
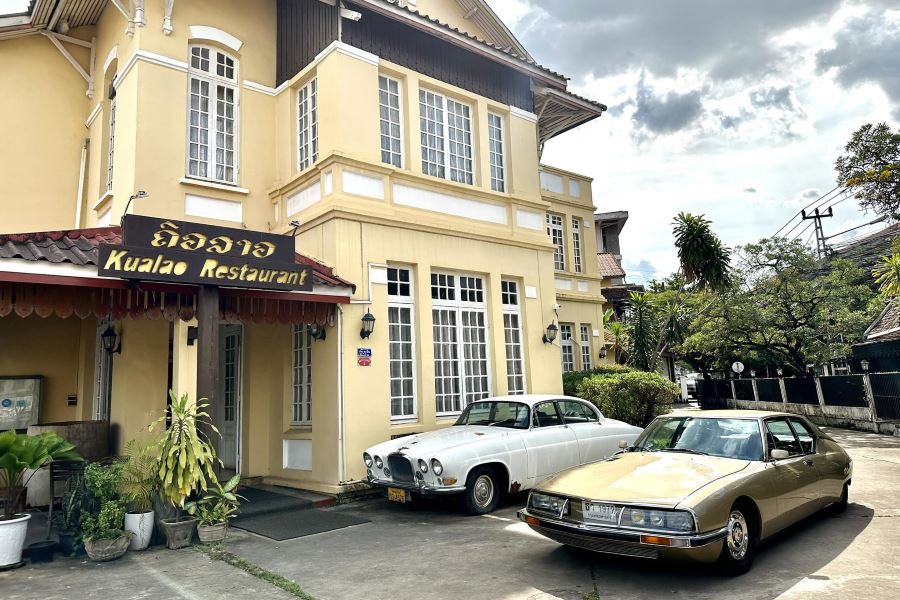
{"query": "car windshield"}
pixel 495 414
pixel 728 438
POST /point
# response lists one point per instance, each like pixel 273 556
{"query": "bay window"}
pixel 212 115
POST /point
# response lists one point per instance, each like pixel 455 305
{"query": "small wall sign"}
pixel 364 353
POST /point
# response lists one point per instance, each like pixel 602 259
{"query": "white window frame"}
pixel 460 308
pixel 567 347
pixel 307 123
pixel 587 357
pixel 442 168
pixel 213 80
pixel 301 376
pixel 399 155
pixel 400 302
pixel 497 136
pixel 557 234
pixel 576 245
pixel 111 142
pixel 511 298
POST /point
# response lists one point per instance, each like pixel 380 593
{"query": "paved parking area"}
pixel 432 552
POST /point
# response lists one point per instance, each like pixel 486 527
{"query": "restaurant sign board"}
pixel 156 249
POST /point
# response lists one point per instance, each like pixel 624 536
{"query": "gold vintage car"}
pixel 704 486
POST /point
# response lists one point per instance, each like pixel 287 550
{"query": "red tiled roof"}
pixel 608 266
pixel 79 247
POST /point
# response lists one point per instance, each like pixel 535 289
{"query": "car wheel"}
pixel 840 506
pixel 482 491
pixel 739 546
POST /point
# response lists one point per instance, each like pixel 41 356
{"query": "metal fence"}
pixel 801 390
pixel 743 389
pixel 769 390
pixel 886 394
pixel 844 390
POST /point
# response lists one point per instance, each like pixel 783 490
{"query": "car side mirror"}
pixel 778 454
pixel 623 445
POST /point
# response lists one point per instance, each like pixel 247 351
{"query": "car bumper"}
pixel 704 547
pixel 424 488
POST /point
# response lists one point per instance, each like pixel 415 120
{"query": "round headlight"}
pixel 378 462
pixel 423 466
pixel 367 459
pixel 437 467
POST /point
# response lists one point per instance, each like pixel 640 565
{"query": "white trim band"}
pixel 213 34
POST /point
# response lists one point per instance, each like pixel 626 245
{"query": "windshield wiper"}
pixel 685 450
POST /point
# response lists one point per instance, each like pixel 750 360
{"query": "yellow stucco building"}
pixel 396 143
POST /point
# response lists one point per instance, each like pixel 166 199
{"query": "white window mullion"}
pixel 301 402
pixel 111 142
pixel 307 125
pixel 213 116
pixel 401 342
pixel 567 350
pixel 576 243
pixel 586 355
pixel 497 155
pixel 557 237
pixel 389 95
pixel 512 336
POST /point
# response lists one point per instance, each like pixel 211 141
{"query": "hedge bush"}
pixel 634 397
pixel 571 380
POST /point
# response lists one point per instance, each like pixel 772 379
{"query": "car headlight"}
pixel 423 466
pixel 379 463
pixel 677 521
pixel 367 459
pixel 437 467
pixel 548 503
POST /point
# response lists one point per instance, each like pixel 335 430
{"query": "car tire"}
pixel 739 545
pixel 482 491
pixel 840 506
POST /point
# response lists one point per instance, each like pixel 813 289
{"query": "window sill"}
pixel 106 197
pixel 405 421
pixel 213 185
pixel 300 428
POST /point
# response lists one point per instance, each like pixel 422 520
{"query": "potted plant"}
pixel 103 512
pixel 185 461
pixel 68 517
pixel 137 486
pixel 214 509
pixel 19 452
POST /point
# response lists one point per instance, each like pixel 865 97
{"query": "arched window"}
pixel 212 142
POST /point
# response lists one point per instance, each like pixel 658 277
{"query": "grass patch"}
pixel 218 552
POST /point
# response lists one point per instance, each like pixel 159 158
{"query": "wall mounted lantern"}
pixel 865 365
pixel 603 351
pixel 752 373
pixel 112 343
pixel 317 332
pixel 550 335
pixel 780 371
pixel 368 325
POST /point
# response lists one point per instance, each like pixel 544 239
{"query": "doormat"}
pixel 260 502
pixel 294 523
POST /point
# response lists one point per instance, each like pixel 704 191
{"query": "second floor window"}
pixel 307 125
pixel 389 114
pixel 576 243
pixel 111 141
pixel 495 141
pixel 555 231
pixel 212 115
pixel 446 135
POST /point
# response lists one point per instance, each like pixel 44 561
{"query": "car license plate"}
pixel 397 495
pixel 603 513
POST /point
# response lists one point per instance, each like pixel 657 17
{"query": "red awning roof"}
pixel 79 247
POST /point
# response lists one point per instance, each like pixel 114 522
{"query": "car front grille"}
pixel 401 468
pixel 597 545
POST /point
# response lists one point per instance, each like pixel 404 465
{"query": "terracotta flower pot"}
pixel 209 534
pixel 178 533
pixel 106 550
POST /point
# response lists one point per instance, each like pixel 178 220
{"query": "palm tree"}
pixel 643 326
pixel 887 275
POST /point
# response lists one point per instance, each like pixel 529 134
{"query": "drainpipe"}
pixel 340 392
pixel 79 198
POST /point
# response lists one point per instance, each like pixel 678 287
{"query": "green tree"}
pixel 887 272
pixel 870 167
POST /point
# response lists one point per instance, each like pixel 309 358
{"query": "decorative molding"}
pixel 56 39
pixel 258 87
pixel 152 58
pixel 531 292
pixel 90 119
pixel 213 185
pixel 303 199
pixel 414 197
pixel 527 219
pixel 362 185
pixel 102 200
pixel 563 284
pixel 551 182
pixel 213 208
pixel 348 50
pixel 167 18
pixel 328 182
pixel 214 34
pixel 583 286
pixel 515 111
pixel 111 56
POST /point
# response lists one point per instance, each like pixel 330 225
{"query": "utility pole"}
pixel 821 249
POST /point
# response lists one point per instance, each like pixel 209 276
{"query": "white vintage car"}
pixel 497 445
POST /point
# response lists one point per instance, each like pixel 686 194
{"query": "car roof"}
pixel 730 414
pixel 531 399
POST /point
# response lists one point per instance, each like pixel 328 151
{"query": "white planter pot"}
pixel 140 525
pixel 12 539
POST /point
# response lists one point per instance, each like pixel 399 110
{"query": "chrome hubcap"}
pixel 483 491
pixel 738 535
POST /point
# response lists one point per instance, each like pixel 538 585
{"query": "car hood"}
pixel 431 444
pixel 659 478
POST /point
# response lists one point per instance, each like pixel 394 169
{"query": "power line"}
pixel 799 212
pixel 818 204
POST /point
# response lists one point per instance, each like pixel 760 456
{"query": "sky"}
pixel 11 7
pixel 731 109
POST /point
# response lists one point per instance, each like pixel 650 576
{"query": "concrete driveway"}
pixel 431 551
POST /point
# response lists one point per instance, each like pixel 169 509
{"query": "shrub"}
pixel 107 525
pixel 102 484
pixel 635 397
pixel 571 380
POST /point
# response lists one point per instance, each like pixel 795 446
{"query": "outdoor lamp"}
pixel 780 371
pixel 603 351
pixel 111 342
pixel 752 373
pixel 865 365
pixel 316 331
pixel 368 325
pixel 552 330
